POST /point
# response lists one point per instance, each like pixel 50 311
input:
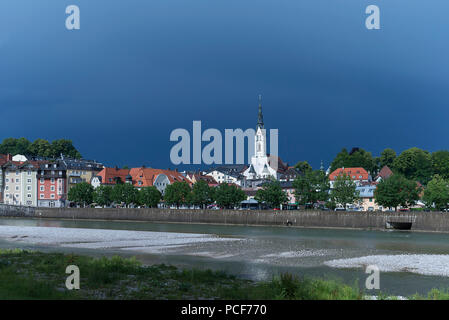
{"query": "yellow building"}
pixel 80 170
pixel 367 201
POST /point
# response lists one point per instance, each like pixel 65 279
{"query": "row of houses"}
pixel 46 182
pixel 38 182
pixel 42 182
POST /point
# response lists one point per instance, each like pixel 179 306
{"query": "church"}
pixel 259 167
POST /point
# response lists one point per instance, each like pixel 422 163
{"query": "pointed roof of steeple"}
pixel 260 118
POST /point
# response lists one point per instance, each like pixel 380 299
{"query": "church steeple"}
pixel 260 118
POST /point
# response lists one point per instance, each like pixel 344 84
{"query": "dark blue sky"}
pixel 139 69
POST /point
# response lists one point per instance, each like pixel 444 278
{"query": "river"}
pixel 410 262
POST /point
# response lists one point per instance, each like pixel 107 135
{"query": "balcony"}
pixel 76 180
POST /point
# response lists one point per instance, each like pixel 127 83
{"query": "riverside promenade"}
pixel 422 221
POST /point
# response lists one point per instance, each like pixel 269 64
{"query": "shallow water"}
pixel 252 252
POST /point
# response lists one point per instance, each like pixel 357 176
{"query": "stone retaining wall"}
pixel 423 221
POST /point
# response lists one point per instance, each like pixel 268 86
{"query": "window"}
pixel 42 180
pixel 52 180
pixel 29 173
pixel 17 173
pixel 42 196
pixel 29 195
pixel 17 180
pixel 29 180
pixel 7 188
pixel 52 188
pixel 7 180
pixel 52 195
pixel 7 173
pixel 17 188
pixel 28 188
pixel 42 188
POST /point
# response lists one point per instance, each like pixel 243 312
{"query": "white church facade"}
pixel 259 167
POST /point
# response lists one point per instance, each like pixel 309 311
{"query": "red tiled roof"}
pixel 197 177
pixel 354 173
pixel 385 173
pixel 109 175
pixel 281 165
pixel 145 177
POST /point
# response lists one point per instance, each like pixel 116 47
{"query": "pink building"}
pixel 51 182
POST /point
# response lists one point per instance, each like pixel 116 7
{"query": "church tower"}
pixel 261 141
pixel 259 167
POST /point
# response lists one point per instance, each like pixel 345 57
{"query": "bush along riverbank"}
pixel 37 275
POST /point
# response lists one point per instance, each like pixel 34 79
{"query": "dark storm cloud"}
pixel 139 69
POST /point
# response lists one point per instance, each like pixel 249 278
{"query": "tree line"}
pixel 414 163
pixel 39 148
pixel 177 194
pixel 310 188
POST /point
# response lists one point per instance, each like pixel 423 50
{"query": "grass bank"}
pixel 37 275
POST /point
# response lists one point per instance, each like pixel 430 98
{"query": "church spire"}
pixel 260 118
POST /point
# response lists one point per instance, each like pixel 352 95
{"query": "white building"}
pixel 259 167
pixel 20 183
pixel 228 174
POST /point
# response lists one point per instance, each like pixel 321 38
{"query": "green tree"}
pixel 414 164
pixel 436 193
pixel 150 196
pixel 125 193
pixel 65 147
pixel 103 195
pixel 228 196
pixel 201 194
pixel 303 166
pixel 341 160
pixel 15 146
pixel 397 190
pixel 40 147
pixel 358 158
pixel 311 187
pixel 387 158
pixel 177 193
pixel 272 194
pixel 344 190
pixel 81 193
pixel 440 163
